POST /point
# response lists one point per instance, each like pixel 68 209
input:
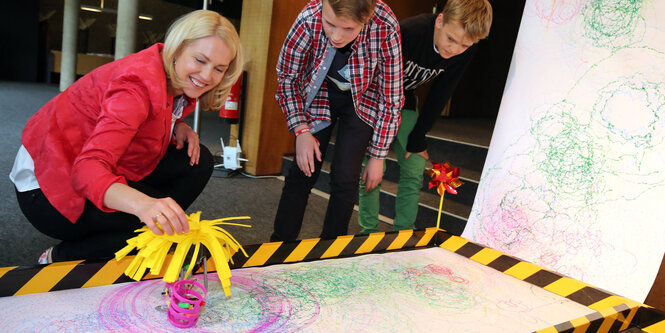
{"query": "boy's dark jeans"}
pixel 353 136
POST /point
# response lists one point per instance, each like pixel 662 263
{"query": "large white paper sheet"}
pixel 575 175
pixel 428 290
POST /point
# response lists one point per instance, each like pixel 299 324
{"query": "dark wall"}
pixel 30 29
pixel 19 32
pixel 480 90
pixel 98 37
pixel 231 9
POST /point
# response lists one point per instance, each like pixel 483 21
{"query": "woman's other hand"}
pixel 184 133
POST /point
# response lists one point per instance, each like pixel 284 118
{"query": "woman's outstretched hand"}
pixel 165 215
pixel 158 214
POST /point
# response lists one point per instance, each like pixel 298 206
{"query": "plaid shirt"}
pixel 376 74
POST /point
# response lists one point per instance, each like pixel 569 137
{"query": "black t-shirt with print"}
pixel 337 78
pixel 421 64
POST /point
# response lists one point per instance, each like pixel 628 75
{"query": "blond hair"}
pixel 358 10
pixel 475 16
pixel 200 24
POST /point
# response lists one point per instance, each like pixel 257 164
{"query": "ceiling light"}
pixel 101 9
pixel 91 8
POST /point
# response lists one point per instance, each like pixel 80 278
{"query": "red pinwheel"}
pixel 444 178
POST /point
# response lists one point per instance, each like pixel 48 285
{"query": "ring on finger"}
pixel 156 216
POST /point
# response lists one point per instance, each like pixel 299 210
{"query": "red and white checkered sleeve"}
pixel 290 67
pixel 391 90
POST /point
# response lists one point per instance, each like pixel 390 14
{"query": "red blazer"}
pixel 111 125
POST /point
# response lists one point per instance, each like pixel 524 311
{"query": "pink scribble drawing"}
pixel 558 11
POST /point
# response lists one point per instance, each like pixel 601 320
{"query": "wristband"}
pixel 304 130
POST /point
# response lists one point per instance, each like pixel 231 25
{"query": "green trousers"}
pixel 408 191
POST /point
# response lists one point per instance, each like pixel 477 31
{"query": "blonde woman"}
pixel 112 153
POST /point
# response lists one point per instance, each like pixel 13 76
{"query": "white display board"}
pixel 574 180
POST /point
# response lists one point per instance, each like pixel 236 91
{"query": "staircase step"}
pixel 467 131
pixel 466 175
pixel 432 201
pixel 463 142
pixel 454 217
pixel 466 193
pixel 470 159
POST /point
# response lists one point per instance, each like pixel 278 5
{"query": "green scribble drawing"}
pixel 548 189
pixel 566 153
pixel 612 23
pixel 570 188
pixel 642 124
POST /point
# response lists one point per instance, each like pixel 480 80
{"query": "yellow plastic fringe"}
pixel 154 248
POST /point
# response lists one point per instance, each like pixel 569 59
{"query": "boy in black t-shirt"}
pixel 435 47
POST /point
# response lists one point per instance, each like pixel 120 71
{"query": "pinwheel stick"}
pixel 446 179
pixel 438 220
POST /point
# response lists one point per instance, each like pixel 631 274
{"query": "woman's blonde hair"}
pixel 200 24
pixel 475 16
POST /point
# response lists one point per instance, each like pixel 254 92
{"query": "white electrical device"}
pixel 231 156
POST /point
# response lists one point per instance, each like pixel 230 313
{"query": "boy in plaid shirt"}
pixel 340 64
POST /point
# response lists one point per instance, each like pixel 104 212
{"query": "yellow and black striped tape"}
pixel 613 313
pixel 620 318
pixel 650 320
pixel 615 319
pixel 82 274
pixel 343 246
